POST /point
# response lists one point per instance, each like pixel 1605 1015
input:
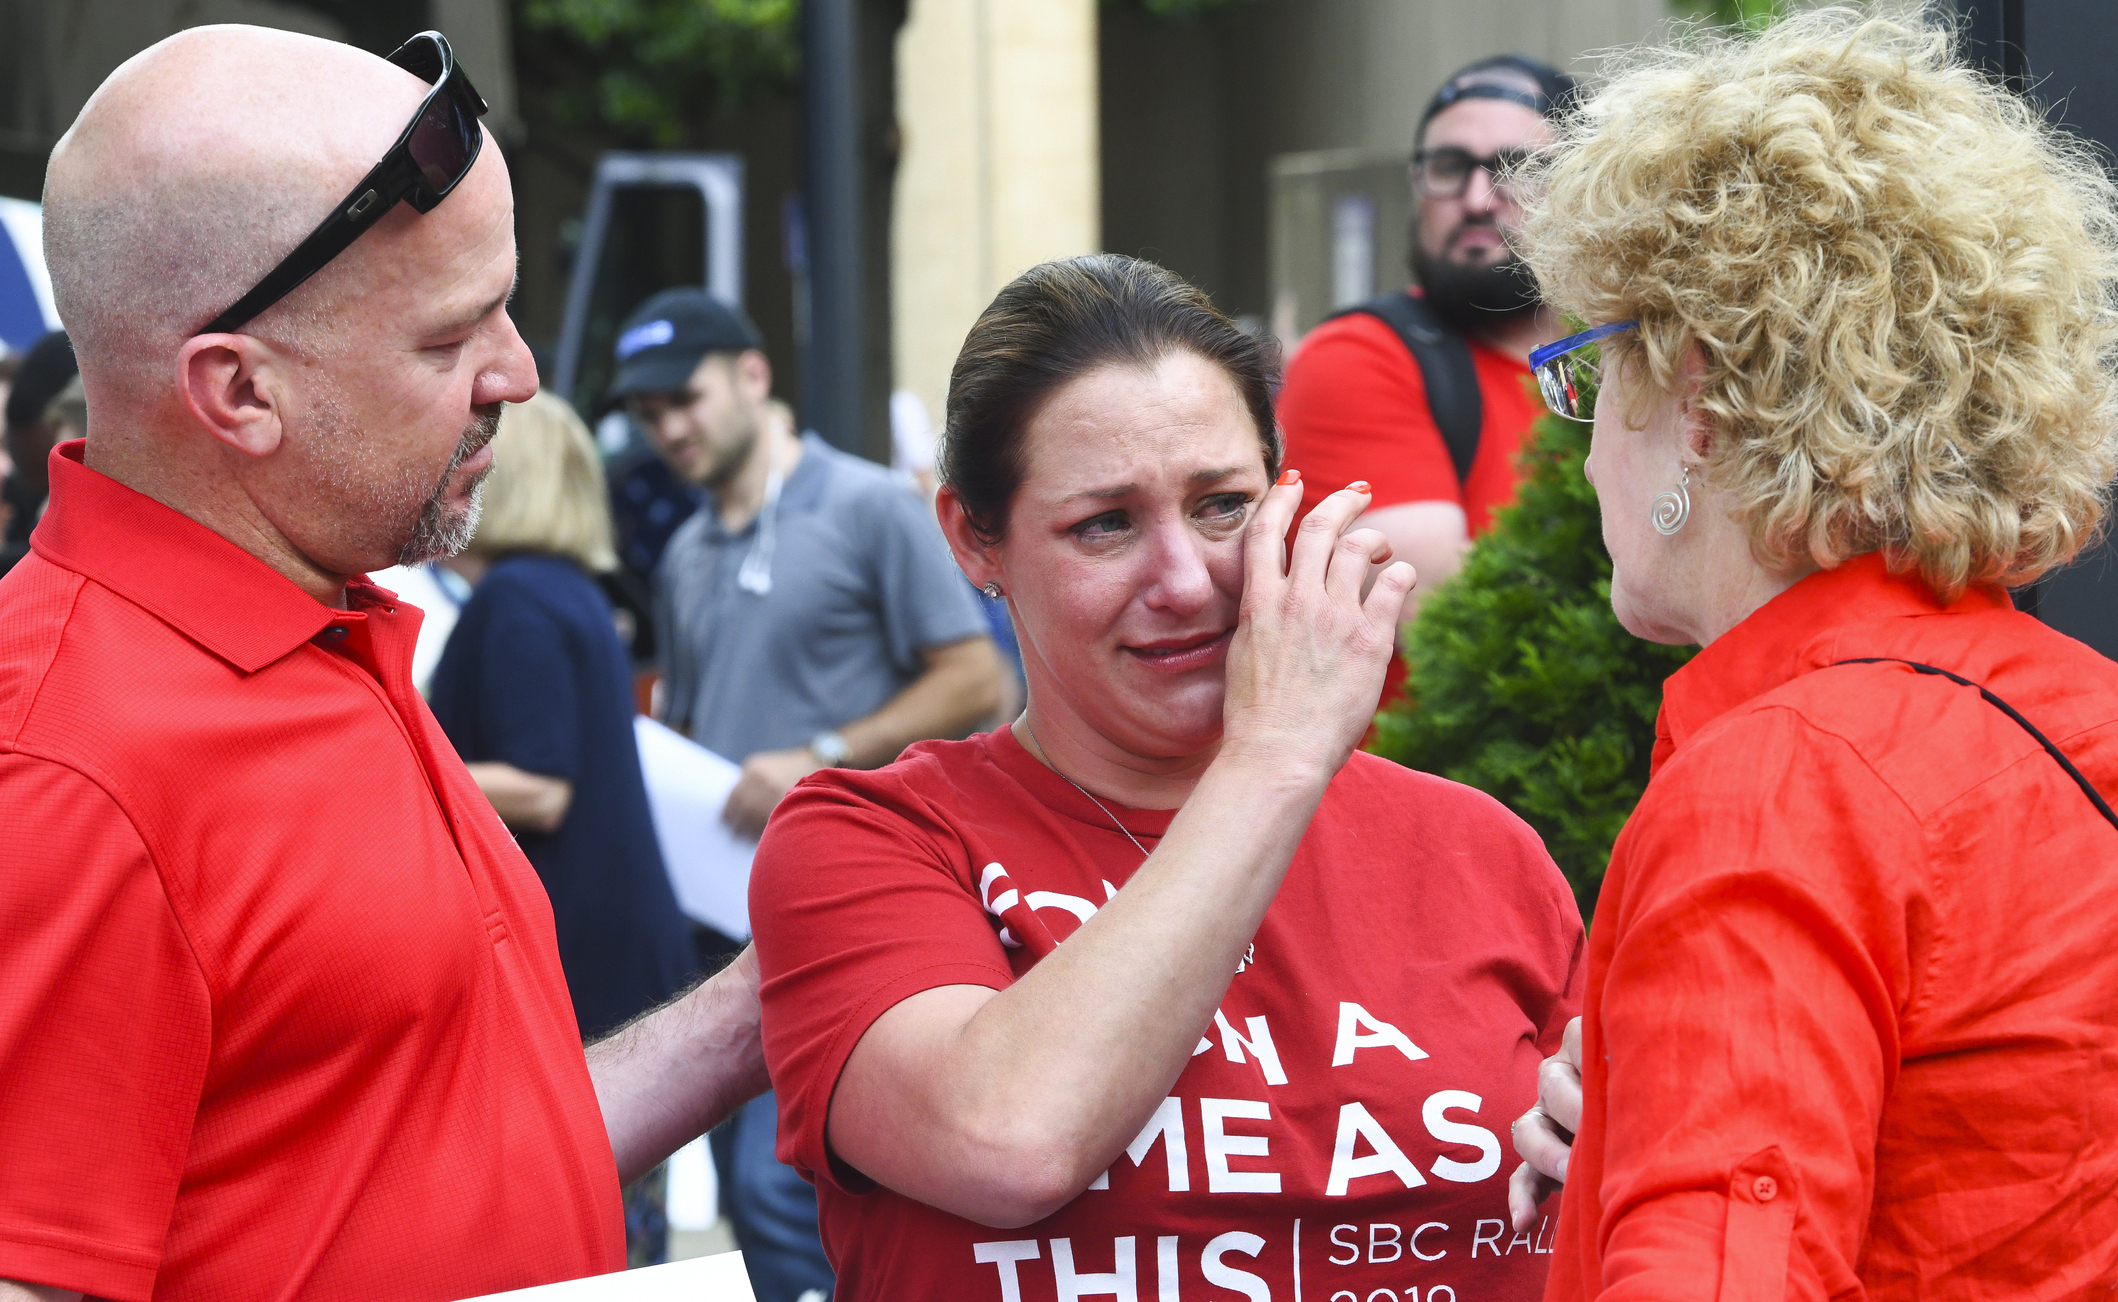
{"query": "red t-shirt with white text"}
pixel 1342 1127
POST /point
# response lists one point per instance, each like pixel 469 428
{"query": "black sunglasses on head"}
pixel 433 154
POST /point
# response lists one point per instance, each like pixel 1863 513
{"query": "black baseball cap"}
pixel 664 339
pixel 1555 91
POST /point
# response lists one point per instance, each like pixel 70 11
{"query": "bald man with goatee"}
pixel 281 1012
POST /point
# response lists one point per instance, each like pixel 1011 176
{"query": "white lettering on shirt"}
pixel 997 905
pixel 1005 1254
pixel 1456 1132
pixel 1259 1042
pixel 1479 1235
pixel 1355 1121
pixel 1352 1246
pixel 1121 1282
pixel 1352 1018
pixel 1376 1243
pixel 1220 1146
pixel 1219 1272
pixel 1166 1269
pixel 1073 904
pixel 1428 1256
pixel 1167 1124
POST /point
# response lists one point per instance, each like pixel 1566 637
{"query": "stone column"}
pixel 996 103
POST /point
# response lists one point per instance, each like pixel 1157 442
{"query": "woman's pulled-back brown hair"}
pixel 1059 321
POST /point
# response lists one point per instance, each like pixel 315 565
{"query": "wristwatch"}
pixel 830 749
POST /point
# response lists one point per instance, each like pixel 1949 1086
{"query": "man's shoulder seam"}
pixel 33 687
pixel 108 786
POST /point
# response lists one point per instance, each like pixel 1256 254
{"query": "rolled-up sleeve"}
pixel 856 907
pixel 1750 1017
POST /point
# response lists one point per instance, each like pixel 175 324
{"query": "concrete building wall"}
pixel 999 169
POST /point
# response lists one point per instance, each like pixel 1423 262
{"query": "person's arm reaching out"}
pixel 525 801
pixel 959 686
pixel 1003 1106
pixel 521 715
pixel 1431 536
pixel 671 1075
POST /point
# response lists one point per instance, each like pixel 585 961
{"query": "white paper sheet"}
pixel 719 1278
pixel 709 866
pixel 694 1198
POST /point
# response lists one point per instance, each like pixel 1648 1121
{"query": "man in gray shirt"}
pixel 835 609
pixel 809 616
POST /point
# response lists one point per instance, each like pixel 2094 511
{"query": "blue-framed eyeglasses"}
pixel 1567 371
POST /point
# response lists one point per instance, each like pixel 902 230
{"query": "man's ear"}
pixel 974 556
pixel 227 385
pixel 753 373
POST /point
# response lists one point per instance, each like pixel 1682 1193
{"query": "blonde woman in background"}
pixel 1852 1015
pixel 535 691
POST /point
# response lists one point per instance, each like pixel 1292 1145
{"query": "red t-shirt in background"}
pixel 1355 407
pixel 1343 1124
pixel 281 1013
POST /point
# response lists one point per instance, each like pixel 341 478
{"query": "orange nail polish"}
pixel 1359 486
pixel 1290 477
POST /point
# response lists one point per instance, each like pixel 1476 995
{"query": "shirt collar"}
pixel 1058 794
pixel 801 491
pixel 170 565
pixel 1820 621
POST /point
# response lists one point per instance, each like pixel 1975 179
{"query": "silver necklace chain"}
pixel 1250 954
pixel 1046 757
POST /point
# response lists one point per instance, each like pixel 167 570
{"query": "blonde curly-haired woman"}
pixel 1852 1017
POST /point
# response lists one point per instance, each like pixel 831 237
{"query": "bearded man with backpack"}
pixel 1425 392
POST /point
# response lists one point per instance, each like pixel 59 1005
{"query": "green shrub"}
pixel 1523 684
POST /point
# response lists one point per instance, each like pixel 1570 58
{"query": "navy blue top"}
pixel 534 676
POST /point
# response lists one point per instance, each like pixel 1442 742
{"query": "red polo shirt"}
pixel 281 1012
pixel 1852 1017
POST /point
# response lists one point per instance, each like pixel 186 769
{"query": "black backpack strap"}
pixel 2080 779
pixel 1444 360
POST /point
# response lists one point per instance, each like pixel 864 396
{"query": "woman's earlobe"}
pixel 1698 434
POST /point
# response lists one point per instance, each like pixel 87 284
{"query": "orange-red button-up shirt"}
pixel 1852 1017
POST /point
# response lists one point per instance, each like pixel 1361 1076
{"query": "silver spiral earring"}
pixel 991 590
pixel 1672 509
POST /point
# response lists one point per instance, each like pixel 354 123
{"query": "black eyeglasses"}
pixel 1445 173
pixel 434 153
